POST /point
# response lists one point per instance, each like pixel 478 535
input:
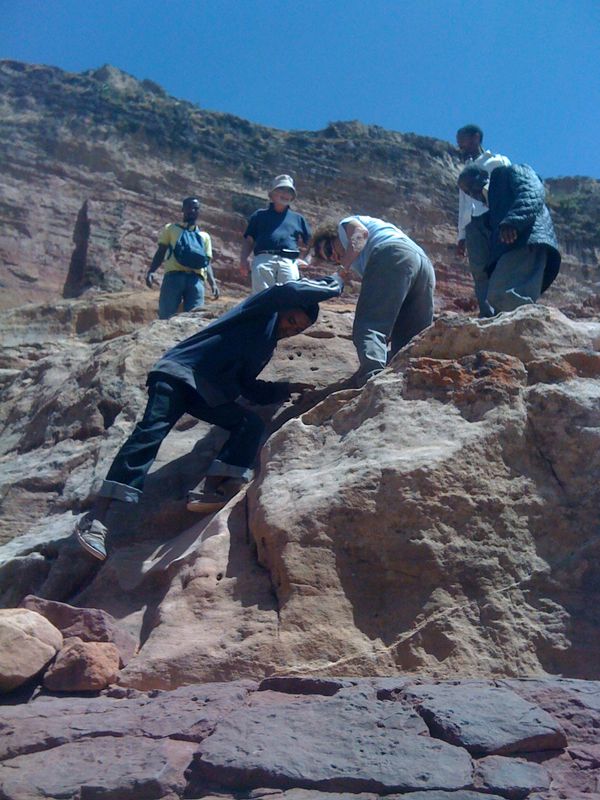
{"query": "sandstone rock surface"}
pixel 107 767
pixel 27 643
pixel 113 156
pixel 188 714
pixel 512 778
pixel 71 406
pixel 441 520
pixel 437 515
pixel 83 667
pixel 499 721
pixel 330 745
pixel 87 624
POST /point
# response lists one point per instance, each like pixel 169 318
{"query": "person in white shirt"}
pixel 473 231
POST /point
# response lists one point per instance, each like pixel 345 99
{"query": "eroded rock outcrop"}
pixel 442 519
pixel 445 516
pixel 112 156
pixel 75 394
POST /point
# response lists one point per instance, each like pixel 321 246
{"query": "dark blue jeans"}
pixel 168 399
pixel 180 286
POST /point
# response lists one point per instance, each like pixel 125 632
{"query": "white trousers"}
pixel 268 269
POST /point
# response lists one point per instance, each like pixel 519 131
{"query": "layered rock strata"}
pixel 96 163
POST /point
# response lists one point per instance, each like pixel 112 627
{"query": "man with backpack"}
pixel 188 252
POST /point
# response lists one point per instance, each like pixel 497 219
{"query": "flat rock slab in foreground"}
pixel 311 794
pixel 107 767
pixel 332 744
pixel 486 720
pixel 332 739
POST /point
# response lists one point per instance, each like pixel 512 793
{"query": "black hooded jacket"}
pixel 222 361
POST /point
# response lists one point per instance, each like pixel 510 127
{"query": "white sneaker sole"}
pixel 88 547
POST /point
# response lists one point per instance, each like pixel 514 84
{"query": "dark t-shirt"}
pixel 273 230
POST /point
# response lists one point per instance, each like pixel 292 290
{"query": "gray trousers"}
pixel 395 302
pixel 477 238
pixel 517 277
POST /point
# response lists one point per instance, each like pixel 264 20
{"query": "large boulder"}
pixel 83 667
pixel 87 624
pixel 28 642
pixel 444 518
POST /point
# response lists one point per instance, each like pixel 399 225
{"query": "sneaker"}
pixel 92 537
pixel 205 502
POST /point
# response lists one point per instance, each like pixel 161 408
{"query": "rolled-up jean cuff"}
pixel 222 469
pixel 119 491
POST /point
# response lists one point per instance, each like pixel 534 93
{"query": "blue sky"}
pixel 526 71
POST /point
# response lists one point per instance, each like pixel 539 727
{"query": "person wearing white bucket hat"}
pixel 275 237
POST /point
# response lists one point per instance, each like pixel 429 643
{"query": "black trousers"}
pixel 168 399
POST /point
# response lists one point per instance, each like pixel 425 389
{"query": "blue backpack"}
pixel 189 250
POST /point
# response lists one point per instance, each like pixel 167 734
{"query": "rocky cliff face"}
pixel 96 163
pixel 433 535
pixel 443 519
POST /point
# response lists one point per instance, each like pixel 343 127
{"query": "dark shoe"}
pixel 91 535
pixel 204 501
pixel 358 380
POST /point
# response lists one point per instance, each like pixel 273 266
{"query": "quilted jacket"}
pixel 516 199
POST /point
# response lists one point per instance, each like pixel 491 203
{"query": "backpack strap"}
pixel 171 249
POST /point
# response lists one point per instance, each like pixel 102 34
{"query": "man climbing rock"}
pixel 203 376
pixel 523 258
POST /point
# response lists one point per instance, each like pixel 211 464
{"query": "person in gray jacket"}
pixel 524 258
